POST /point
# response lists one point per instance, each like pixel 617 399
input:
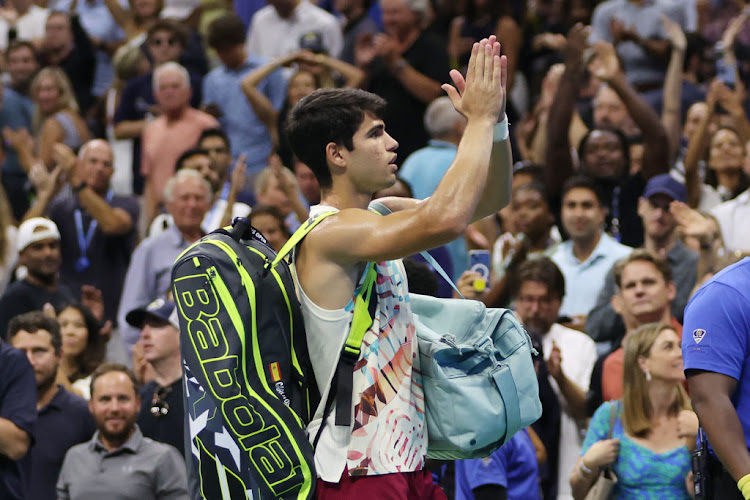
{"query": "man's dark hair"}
pixel 225 32
pixel 179 31
pixel 34 321
pixel 525 167
pixel 187 155
pixel 536 186
pixel 585 182
pixel 642 255
pixel 624 145
pixel 105 368
pixel 541 270
pixel 214 132
pixel 325 116
pixel 19 44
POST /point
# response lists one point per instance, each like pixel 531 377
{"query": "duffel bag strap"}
pixel 362 318
pixel 507 386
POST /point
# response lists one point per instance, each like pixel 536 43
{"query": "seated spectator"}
pixel 84 346
pixel 63 418
pixel 188 198
pixel 136 467
pixel 67 46
pixel 166 41
pixel 405 66
pixel 56 117
pixel 636 30
pixel 603 152
pixel 645 292
pixel 589 254
pixel 276 29
pixel 247 126
pixel 97 227
pixel 275 186
pixel 39 253
pixel 654 429
pixel 270 223
pixel 18 402
pixel 165 138
pixel 162 414
pixel 660 238
pixel 224 208
pixel 26 18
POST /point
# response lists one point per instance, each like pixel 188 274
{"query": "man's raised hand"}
pixel 482 93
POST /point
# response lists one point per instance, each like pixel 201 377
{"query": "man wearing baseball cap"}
pixel 39 253
pixel 660 238
pixel 162 411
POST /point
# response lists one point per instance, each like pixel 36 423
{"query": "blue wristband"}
pixel 500 131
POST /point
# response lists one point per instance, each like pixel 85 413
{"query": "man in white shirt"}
pixel 570 354
pixel 275 30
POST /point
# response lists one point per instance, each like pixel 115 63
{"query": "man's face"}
pixel 397 17
pixel 603 156
pixel 218 151
pixel 307 182
pixel 582 215
pixel 164 46
pixel 38 348
pixel 530 213
pixel 536 306
pixel 97 165
pixel 203 165
pixel 609 110
pixel 42 258
pixel 160 339
pixel 189 204
pixel 114 405
pixel 658 221
pixel 57 32
pixel 643 295
pixel 371 164
pixel 22 65
pixel 172 92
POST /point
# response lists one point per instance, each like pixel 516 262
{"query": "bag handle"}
pixel 379 208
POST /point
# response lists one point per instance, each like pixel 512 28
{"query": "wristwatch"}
pixel 77 188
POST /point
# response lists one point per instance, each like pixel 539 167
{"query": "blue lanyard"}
pixel 84 239
pixel 616 214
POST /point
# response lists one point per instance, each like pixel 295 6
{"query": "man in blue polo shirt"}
pixel 716 354
pixel 17 418
pixel 64 419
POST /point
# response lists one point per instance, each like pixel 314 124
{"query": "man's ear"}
pixel 617 304
pixel 335 155
pixel 641 206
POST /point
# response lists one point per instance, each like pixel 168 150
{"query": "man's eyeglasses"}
pixel 159 405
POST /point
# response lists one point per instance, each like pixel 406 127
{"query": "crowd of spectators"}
pixel 132 128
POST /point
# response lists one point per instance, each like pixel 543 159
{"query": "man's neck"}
pixel 192 234
pixel 114 444
pixel 46 394
pixel 345 199
pixel 58 55
pixel 584 247
pixel 168 370
pixel 50 285
pixel 660 246
pixel 664 317
pixel 177 114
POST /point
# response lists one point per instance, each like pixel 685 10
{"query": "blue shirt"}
pixel 17 404
pixel 513 466
pixel 247 134
pixel 16 112
pixel 63 423
pixel 149 276
pixel 423 170
pixel 716 333
pixel 584 280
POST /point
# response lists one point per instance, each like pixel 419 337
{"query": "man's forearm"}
pixel 557 156
pixel 574 396
pixel 496 194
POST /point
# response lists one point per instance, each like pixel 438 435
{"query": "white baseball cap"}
pixel 36 229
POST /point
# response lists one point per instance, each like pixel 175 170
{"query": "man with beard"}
pixel 39 253
pixel 570 357
pixel 63 418
pixel 119 463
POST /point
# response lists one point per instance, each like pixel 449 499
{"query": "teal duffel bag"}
pixel 480 385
